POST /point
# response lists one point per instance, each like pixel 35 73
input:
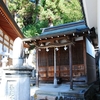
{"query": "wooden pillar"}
pixel 84 55
pixel 54 63
pixel 70 65
pixel 37 75
pixel 55 80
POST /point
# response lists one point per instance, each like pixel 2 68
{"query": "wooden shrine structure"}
pixel 9 30
pixel 66 52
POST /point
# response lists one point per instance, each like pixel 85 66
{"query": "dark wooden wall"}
pixel 46 63
pixel 91 69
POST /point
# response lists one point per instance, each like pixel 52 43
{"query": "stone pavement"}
pixel 49 92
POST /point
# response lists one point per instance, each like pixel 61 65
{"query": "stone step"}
pixel 44 95
pixel 48 97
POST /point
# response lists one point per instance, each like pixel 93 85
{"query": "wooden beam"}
pixel 56 45
pixel 54 38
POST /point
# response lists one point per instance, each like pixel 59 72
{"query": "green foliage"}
pixel 33 17
pixel 34 28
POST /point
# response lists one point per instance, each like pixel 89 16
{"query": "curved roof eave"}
pixel 65 29
pixel 7 22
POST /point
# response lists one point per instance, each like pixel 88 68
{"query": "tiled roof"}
pixel 69 28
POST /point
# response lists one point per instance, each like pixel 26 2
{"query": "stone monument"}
pixel 18 53
pixel 16 78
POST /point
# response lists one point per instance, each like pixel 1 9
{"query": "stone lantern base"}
pixel 16 83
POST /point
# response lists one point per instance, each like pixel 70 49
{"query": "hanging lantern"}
pixel 65 48
pixel 47 49
pixel 57 49
pixel 39 49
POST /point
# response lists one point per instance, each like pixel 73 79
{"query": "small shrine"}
pixel 65 53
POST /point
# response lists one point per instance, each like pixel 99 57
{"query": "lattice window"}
pixel 5 48
pixel 6 37
pixel 6 42
pixel 1 39
pixel 11 41
pixel 0 47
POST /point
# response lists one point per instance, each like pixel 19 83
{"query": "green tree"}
pixel 31 17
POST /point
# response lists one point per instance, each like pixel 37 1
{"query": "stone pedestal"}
pixel 16 83
pixel 55 82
